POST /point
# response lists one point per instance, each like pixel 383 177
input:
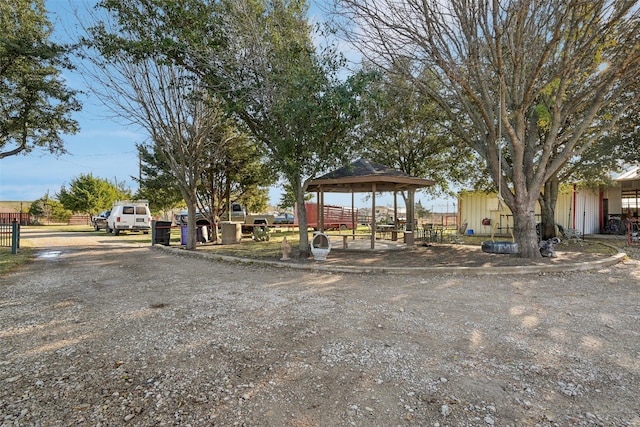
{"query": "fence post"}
pixel 15 236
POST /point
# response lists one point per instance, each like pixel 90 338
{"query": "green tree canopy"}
pixel 288 94
pixel 259 57
pixel 156 183
pixel 527 84
pixel 35 103
pixel 405 129
pixel 90 195
pixel 46 208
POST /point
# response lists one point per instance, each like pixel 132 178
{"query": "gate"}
pixel 10 236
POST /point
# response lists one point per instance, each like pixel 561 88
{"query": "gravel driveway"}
pixel 99 332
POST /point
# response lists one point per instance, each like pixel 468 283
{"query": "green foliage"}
pixel 421 211
pixel 90 195
pixel 288 198
pixel 49 209
pixel 521 83
pixel 288 95
pixel 261 234
pixel 407 130
pixel 259 58
pixel 235 171
pixel 255 199
pixel 156 182
pixel 204 156
pixel 36 105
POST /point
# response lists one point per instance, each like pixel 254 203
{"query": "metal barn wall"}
pixel 583 211
pixel 572 211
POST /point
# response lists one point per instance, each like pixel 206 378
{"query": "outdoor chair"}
pixel 456 236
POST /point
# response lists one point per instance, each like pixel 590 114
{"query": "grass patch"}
pixel 65 227
pixel 10 262
pixel 248 248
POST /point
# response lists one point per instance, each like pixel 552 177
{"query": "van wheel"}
pixel 107 229
pixel 116 231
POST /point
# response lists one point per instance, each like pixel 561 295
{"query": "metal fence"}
pixel 10 236
pixel 23 218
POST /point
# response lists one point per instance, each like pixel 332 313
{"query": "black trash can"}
pixel 162 233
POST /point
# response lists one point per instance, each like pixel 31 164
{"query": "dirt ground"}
pixel 100 332
pixel 442 256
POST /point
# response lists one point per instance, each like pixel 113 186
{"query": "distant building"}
pixel 585 210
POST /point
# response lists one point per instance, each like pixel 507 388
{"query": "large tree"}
pixel 156 183
pixel 90 195
pixel 508 70
pixel 612 152
pixel 231 172
pixel 35 103
pixel 259 57
pixel 182 122
pixel 403 129
pixel 46 208
pixel 289 96
pixel 186 123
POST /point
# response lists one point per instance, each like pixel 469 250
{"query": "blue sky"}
pixel 103 147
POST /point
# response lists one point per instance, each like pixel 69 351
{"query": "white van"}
pixel 129 215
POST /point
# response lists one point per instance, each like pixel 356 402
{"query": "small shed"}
pixel 365 176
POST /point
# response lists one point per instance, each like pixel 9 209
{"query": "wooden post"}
pixel 373 215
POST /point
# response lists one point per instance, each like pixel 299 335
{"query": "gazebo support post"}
pixel 373 215
pixel 396 223
pixel 408 235
pixel 320 214
pixel 353 215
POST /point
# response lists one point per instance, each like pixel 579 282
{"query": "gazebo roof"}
pixel 359 176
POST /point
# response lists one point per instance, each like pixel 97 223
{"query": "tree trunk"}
pixel 304 247
pixel 191 226
pixel 524 227
pixel 548 201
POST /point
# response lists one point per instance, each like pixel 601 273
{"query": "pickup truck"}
pixel 237 215
pixel 99 221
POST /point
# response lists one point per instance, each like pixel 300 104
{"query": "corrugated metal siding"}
pixel 587 212
pixel 474 207
pixel 579 210
pixel 570 213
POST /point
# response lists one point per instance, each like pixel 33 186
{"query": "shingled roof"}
pixel 360 175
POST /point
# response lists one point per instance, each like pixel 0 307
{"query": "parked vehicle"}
pixel 238 214
pixel 129 215
pixel 335 217
pixel 99 221
pixel 284 218
pixel 251 220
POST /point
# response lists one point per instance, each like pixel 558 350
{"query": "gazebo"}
pixel 365 176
